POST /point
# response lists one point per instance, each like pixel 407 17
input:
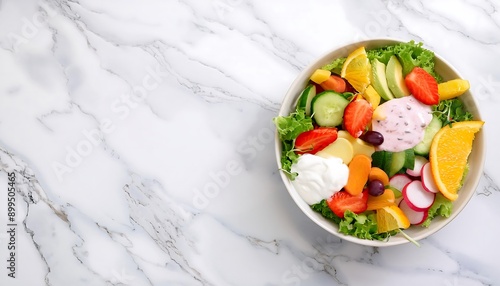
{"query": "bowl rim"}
pixel 290 99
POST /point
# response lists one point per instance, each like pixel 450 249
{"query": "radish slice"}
pixel 428 180
pixel 415 217
pixel 417 197
pixel 417 168
pixel 399 181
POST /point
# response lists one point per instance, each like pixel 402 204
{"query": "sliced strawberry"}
pixel 335 83
pixel 315 140
pixel 342 201
pixel 422 86
pixel 357 115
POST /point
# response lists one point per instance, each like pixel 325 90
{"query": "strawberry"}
pixel 335 83
pixel 315 140
pixel 357 114
pixel 342 201
pixel 422 86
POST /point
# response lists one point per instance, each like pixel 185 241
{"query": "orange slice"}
pixel 356 69
pixel 450 149
pixel 391 218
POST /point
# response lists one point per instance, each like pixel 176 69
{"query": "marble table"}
pixel 139 134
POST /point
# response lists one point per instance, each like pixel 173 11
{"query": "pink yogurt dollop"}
pixel 404 124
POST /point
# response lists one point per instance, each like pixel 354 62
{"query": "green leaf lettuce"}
pixel 363 225
pixel 289 127
pixel 441 207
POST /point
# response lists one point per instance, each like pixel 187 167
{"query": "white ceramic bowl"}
pixel 476 158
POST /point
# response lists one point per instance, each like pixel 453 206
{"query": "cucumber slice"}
pixel 396 163
pixel 305 99
pixel 424 146
pixel 383 160
pixel 378 159
pixel 409 159
pixel 388 157
pixel 393 162
pixel 328 108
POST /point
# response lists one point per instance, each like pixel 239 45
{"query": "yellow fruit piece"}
pixel 378 114
pixel 340 148
pixel 356 69
pixel 387 198
pixel 452 88
pixel 372 96
pixel 320 75
pixel 391 218
pixel 359 146
pixel 344 134
pixel 363 148
pixel 450 149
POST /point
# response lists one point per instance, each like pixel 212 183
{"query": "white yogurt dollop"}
pixel 319 178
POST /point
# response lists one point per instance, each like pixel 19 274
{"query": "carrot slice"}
pixel 359 169
pixel 378 174
pixel 334 83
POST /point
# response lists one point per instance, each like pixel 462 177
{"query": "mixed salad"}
pixel 357 145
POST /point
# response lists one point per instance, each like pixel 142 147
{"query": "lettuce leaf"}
pixel 335 66
pixel 288 158
pixel 410 55
pixel 441 206
pixel 363 225
pixel 289 127
pixel 324 210
pixel 451 110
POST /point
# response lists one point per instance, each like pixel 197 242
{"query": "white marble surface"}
pixel 120 117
